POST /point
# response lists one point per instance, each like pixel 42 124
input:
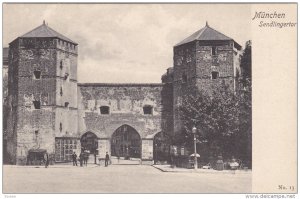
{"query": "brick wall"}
pixel 194 63
pixel 37 128
pixel 126 102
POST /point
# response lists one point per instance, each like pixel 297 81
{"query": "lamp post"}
pixel 155 160
pixel 194 130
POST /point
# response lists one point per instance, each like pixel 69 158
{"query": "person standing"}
pixel 106 159
pixel 74 157
pixel 81 159
pixel 46 159
pixel 86 157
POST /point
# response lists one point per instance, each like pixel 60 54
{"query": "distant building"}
pixel 50 110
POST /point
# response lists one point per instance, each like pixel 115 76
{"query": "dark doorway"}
pixel 89 143
pixel 89 146
pixel 126 142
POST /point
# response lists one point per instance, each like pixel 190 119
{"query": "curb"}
pixel 204 172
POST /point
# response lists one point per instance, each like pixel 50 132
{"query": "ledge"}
pixel 120 84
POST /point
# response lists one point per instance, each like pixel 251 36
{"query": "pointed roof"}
pixel 206 34
pixel 45 31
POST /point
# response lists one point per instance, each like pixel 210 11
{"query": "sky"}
pixel 126 43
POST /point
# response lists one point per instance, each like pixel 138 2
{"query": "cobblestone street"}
pixel 119 179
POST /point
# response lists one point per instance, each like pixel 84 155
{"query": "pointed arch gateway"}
pixel 126 142
pixel 89 142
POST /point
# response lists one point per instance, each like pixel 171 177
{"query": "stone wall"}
pixel 32 127
pixel 167 103
pixel 125 102
pixel 194 64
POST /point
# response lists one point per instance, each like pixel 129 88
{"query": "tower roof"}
pixel 45 31
pixel 206 34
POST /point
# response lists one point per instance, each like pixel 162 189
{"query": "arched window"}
pixel 148 110
pixel 104 110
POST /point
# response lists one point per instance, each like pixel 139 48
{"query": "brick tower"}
pixel 42 92
pixel 205 60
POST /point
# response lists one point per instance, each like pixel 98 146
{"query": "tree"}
pixel 223 120
pixel 246 61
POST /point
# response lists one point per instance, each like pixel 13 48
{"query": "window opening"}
pixel 37 74
pixel 214 75
pixel 148 110
pixel 37 104
pixel 104 110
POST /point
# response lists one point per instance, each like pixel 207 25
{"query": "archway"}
pixel 126 142
pixel 89 144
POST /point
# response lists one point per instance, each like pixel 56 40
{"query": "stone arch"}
pixel 89 142
pixel 126 142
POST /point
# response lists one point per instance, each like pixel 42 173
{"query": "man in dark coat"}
pixel 74 157
pixel 106 159
pixel 85 158
pixel 46 159
pixel 81 159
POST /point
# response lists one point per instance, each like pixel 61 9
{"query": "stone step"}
pixel 125 162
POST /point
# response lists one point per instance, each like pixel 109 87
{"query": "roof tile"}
pixel 45 31
pixel 205 34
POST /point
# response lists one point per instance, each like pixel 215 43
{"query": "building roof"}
pixel 45 31
pixel 206 34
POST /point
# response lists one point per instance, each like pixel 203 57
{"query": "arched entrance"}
pixel 89 144
pixel 126 142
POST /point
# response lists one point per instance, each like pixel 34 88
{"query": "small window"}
pixel 37 74
pixel 61 64
pixel 60 127
pixel 214 75
pixel 213 50
pixel 148 110
pixel 184 78
pixel 61 91
pixel 36 135
pixel 66 104
pixel 104 110
pixel 37 104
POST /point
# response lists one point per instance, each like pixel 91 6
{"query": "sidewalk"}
pixel 60 165
pixel 167 168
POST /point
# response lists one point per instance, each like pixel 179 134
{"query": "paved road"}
pixel 118 179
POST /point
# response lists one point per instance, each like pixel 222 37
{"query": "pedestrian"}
pixel 46 159
pixel 74 157
pixel 81 159
pixel 106 159
pixel 85 158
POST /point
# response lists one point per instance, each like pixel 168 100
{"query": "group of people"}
pixel 83 159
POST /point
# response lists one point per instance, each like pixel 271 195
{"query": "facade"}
pixel 49 110
pixel 203 61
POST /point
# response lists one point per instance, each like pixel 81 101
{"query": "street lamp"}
pixel 194 130
pixel 155 160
